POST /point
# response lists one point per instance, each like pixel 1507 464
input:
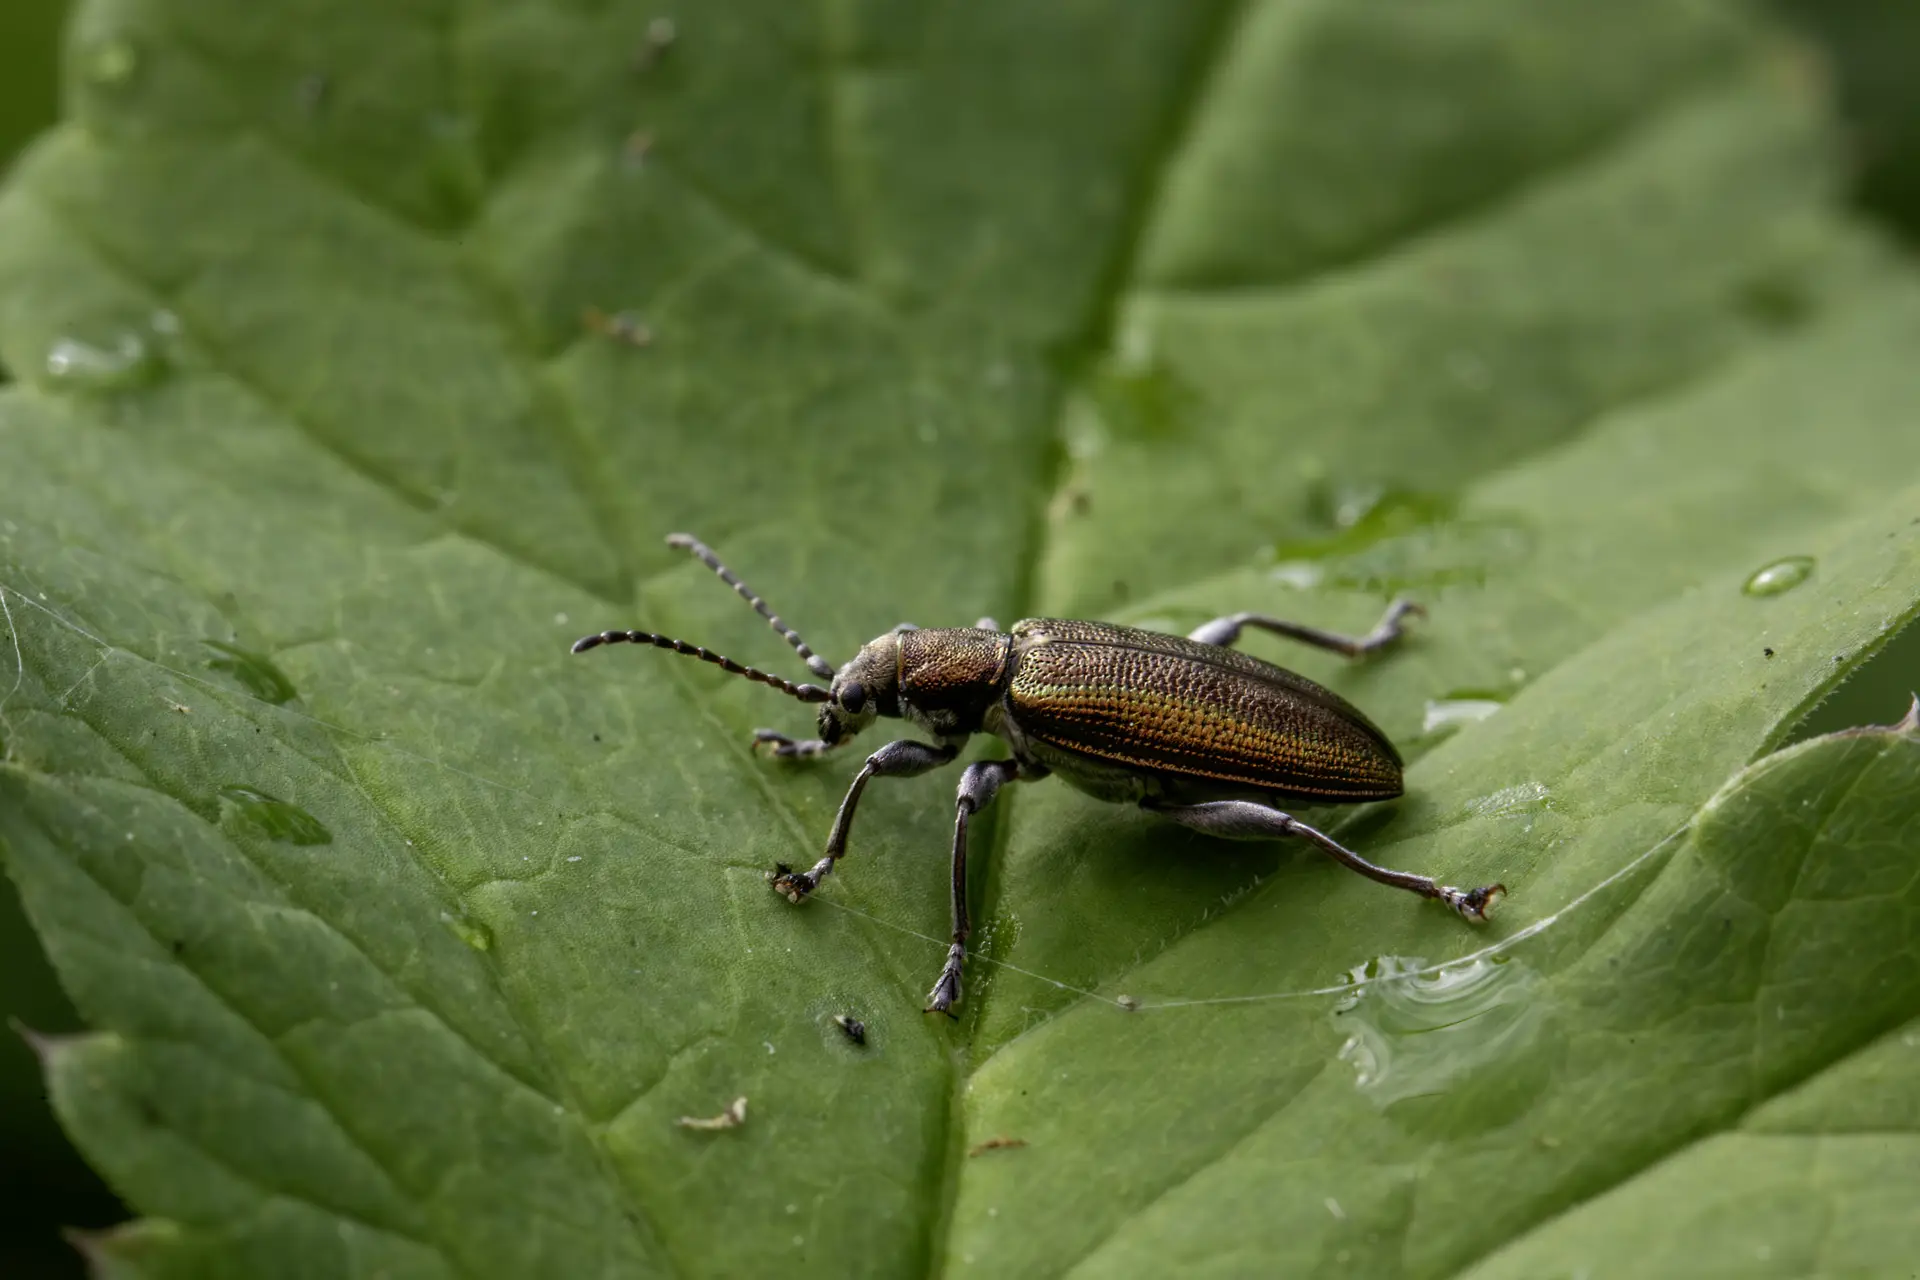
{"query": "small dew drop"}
pixel 1302 575
pixel 1781 576
pixel 124 361
pixel 470 931
pixel 275 817
pixel 257 674
pixel 112 63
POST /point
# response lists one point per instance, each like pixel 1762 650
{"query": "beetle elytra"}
pixel 1187 728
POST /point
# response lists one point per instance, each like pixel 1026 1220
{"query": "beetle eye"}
pixel 854 696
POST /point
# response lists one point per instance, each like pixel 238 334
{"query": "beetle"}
pixel 1186 728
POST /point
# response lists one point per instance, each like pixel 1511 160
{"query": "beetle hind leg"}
pixel 1225 632
pixel 1247 820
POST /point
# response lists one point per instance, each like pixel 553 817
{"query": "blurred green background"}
pixel 1872 47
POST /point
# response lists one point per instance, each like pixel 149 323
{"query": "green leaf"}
pixel 407 937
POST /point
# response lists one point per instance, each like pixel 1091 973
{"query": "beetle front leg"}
pixel 903 759
pixel 978 785
pixel 787 748
pixel 1246 820
pixel 1225 632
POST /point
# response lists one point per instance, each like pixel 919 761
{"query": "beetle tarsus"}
pixel 946 988
pixel 789 748
pixel 793 885
pixel 1473 904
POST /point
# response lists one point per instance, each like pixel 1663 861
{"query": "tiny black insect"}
pixel 854 1029
pixel 1188 728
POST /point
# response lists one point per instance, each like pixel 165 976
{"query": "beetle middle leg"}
pixel 1248 820
pixel 787 747
pixel 906 758
pixel 1226 631
pixel 978 785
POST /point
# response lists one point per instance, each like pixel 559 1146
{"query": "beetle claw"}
pixel 792 885
pixel 1476 904
pixel 786 747
pixel 946 988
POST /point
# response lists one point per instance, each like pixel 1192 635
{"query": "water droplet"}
pixel 310 94
pixel 257 674
pixel 126 360
pixel 1523 797
pixel 1415 1031
pixel 470 931
pixel 1457 709
pixel 452 161
pixel 1469 370
pixel 278 819
pixel 1782 575
pixel 1353 503
pixel 1141 396
pixel 111 63
pixel 1302 575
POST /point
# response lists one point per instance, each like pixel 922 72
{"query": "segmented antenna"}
pixel 815 663
pixel 804 692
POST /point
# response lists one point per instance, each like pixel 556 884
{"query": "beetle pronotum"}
pixel 1189 729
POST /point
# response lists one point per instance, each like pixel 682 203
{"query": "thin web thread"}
pixel 1127 1003
pixel 19 660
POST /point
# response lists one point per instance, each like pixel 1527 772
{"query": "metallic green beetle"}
pixel 1186 728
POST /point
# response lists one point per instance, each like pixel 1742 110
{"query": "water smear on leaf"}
pixel 1524 797
pixel 1413 1032
pixel 1460 708
pixel 1389 540
pixel 275 817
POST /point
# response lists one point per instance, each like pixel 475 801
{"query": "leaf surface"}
pixel 407 937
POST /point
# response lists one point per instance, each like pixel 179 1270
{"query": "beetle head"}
pixel 865 689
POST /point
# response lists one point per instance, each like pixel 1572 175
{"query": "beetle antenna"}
pixel 815 663
pixel 804 692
